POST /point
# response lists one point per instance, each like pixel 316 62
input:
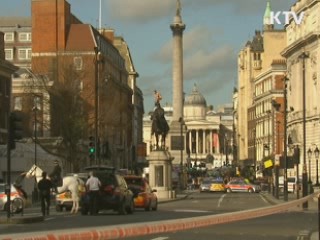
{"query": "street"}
pixel 279 226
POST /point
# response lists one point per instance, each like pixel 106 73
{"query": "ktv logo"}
pixel 274 17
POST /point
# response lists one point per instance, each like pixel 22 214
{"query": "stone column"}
pixel 177 28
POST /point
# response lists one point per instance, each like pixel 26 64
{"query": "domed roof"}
pixel 195 98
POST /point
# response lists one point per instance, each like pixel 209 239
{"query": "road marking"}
pixel 221 199
pixel 160 238
pixel 263 198
pixel 190 210
pixel 47 219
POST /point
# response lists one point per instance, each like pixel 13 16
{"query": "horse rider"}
pixel 55 175
pixel 157 97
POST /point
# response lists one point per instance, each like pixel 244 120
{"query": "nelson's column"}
pixel 176 137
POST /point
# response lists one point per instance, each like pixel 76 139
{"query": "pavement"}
pixel 30 214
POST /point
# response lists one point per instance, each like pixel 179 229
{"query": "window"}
pixel 37 102
pixel 24 53
pixel 9 37
pixel 8 54
pixel 25 37
pixel 17 104
pixel 77 61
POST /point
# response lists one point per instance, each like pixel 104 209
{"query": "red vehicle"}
pixel 144 196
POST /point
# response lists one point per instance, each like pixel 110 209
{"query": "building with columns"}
pixel 302 52
pixel 209 133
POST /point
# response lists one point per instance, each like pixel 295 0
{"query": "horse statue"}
pixel 69 183
pixel 159 126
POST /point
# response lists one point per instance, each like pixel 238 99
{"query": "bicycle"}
pixel 16 206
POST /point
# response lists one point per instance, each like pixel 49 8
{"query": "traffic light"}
pixel 15 128
pixel 92 148
pixel 296 155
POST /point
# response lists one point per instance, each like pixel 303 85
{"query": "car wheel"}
pixel 122 208
pixel 155 207
pixel 58 208
pixel 130 209
pixel 148 207
pixel 250 190
pixel 228 190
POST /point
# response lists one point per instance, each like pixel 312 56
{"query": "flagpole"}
pixel 100 15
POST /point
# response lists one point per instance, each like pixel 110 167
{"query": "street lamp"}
pixel 285 154
pixel 309 158
pixel 35 189
pixel 181 152
pixel 303 56
pixel 316 154
pixel 96 103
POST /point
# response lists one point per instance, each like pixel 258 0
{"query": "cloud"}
pixel 140 11
pixel 145 11
pixel 199 37
pixel 202 63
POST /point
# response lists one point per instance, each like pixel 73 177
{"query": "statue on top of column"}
pixel 178 13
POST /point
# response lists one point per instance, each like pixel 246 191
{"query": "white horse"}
pixel 70 183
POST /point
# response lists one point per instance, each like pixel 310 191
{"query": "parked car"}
pixel 242 185
pixel 114 194
pixel 16 196
pixel 144 195
pixel 212 185
pixel 64 200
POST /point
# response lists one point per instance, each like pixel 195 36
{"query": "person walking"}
pixel 93 185
pixel 55 175
pixel 44 186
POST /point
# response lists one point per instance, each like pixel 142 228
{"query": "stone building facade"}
pixel 260 67
pixel 304 39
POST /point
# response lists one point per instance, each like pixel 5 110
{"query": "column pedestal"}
pixel 160 173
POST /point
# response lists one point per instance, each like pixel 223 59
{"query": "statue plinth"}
pixel 160 173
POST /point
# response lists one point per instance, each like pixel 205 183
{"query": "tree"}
pixel 62 100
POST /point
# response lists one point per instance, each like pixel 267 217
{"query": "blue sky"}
pixel 215 32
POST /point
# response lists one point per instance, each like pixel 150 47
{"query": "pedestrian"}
pixel 44 186
pixel 93 185
pixel 55 175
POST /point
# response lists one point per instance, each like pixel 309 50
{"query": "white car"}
pixel 17 199
pixel 292 184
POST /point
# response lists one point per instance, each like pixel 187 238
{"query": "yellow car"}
pixel 212 185
pixel 217 185
pixel 64 200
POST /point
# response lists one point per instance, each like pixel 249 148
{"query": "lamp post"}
pixel 276 106
pixel 316 154
pixel 96 105
pixel 181 153
pixel 35 189
pixel 285 158
pixel 303 56
pixel 309 158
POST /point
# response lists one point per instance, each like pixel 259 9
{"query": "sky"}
pixel 216 30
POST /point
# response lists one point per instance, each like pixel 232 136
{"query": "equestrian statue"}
pixel 159 125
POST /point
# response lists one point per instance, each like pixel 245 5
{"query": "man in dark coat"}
pixel 55 175
pixel 44 186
